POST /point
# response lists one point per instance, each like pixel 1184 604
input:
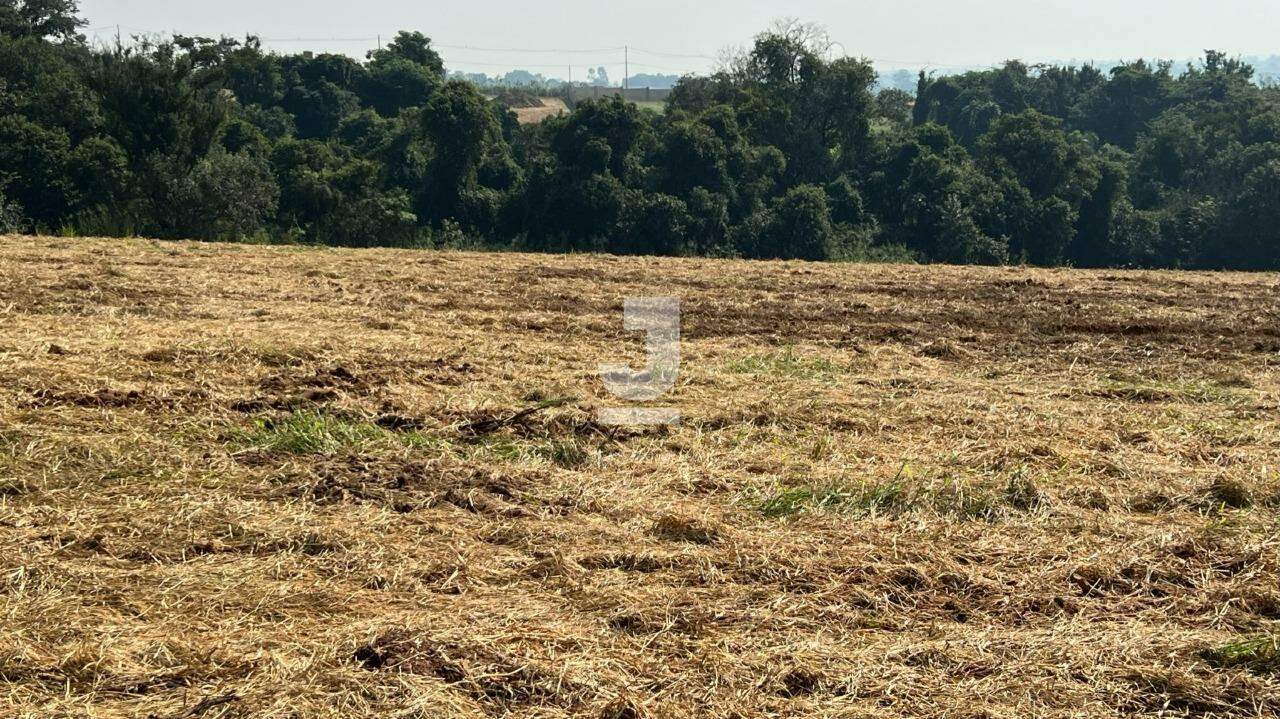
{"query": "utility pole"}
pixel 626 69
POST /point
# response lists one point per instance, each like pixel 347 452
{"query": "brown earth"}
pixel 546 107
pixel 239 481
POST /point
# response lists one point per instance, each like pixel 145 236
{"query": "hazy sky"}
pixel 896 33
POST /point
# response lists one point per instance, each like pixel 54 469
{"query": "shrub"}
pixel 238 194
pixel 796 227
pixel 224 197
pixel 654 225
pixel 11 220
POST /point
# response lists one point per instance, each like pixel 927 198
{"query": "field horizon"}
pixel 276 481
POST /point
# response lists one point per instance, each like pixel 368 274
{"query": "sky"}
pixel 679 36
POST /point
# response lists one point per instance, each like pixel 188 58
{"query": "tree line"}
pixel 785 152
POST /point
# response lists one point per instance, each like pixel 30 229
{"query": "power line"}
pixel 924 63
pixel 565 51
pixel 674 54
pixel 527 50
pixel 523 65
pixel 657 67
pixel 318 39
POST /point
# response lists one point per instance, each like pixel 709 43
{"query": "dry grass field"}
pixel 547 107
pixel 239 481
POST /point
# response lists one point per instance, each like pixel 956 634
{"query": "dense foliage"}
pixel 785 153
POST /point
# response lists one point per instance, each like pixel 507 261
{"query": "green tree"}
pixel 40 19
pixel 1089 247
pixel 1119 110
pixel 151 106
pixel 799 228
pixel 99 175
pixel 320 91
pixel 1033 151
pixel 394 85
pixel 692 155
pixel 412 47
pixel 459 125
pixel 963 242
pixel 654 224
pixel 11 219
pixel 614 122
pixel 1251 236
pixel 224 197
pixel 894 105
pixel 33 169
pixel 45 83
pixel 708 229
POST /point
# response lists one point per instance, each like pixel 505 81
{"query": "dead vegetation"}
pixel 270 482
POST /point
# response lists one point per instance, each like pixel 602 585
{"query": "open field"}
pixel 659 107
pixel 548 107
pixel 273 482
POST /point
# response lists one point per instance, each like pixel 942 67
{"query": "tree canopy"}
pixel 787 151
pixel 55 19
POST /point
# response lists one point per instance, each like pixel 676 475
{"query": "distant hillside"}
pixel 526 79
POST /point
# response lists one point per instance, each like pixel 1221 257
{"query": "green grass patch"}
pixel 867 498
pixel 1223 432
pixel 1146 390
pixel 904 494
pixel 565 453
pixel 787 363
pixel 311 433
pixel 1260 655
